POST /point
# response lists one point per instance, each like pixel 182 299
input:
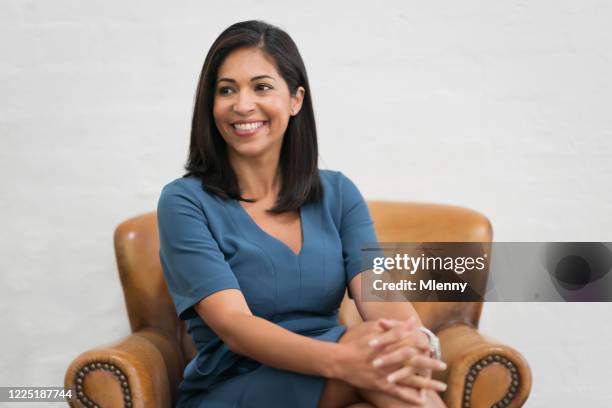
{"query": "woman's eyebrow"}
pixel 255 78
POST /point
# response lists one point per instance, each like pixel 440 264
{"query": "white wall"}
pixel 498 106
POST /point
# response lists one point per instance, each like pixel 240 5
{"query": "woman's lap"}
pixel 265 386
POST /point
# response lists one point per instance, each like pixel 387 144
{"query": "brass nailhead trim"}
pixel 475 370
pixel 83 371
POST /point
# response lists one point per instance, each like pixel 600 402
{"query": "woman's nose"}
pixel 244 102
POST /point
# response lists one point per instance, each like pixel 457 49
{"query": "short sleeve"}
pixel 194 266
pixel 356 229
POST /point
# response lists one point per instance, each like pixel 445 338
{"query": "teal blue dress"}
pixel 208 244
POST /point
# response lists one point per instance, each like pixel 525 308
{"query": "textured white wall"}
pixel 498 106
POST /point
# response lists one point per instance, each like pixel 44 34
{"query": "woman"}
pixel 258 247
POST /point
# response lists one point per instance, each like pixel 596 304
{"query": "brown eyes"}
pixel 263 87
pixel 227 90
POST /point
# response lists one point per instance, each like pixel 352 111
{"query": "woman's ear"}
pixel 296 100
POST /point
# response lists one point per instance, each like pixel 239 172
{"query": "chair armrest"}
pixel 138 371
pixel 481 371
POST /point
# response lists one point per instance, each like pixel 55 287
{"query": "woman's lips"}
pixel 248 128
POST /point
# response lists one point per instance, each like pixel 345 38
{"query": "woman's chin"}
pixel 253 150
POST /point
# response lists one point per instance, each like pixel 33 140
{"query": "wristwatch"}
pixel 434 343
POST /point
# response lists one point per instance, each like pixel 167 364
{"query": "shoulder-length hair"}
pixel 299 153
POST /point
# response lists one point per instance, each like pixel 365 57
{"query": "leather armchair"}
pixel 145 368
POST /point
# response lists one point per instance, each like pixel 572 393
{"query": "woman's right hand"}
pixel 359 352
pixel 416 368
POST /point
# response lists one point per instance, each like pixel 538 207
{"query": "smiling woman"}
pixel 258 247
pixel 254 73
pixel 252 113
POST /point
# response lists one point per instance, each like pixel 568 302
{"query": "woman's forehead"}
pixel 246 63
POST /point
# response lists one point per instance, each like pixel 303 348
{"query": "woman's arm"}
pixel 228 315
pixel 394 353
pixel 395 311
pixel 378 310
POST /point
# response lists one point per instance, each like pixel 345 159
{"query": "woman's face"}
pixel 252 104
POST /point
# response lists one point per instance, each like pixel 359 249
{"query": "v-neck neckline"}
pixel 256 228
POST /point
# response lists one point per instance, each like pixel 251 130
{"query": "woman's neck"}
pixel 259 178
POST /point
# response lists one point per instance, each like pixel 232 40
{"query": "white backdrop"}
pixel 503 107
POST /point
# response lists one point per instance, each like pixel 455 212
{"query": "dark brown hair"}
pixel 299 153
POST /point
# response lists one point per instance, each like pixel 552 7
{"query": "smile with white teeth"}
pixel 247 126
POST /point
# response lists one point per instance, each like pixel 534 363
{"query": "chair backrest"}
pixel 149 304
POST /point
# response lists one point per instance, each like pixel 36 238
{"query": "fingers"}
pixel 388 324
pixel 422 341
pixel 401 375
pixel 398 356
pixel 421 338
pixel 397 332
pixel 421 362
pixel 409 377
pixel 415 366
pixel 416 339
pixel 419 382
pixel 411 395
pixel 407 394
pixel 400 336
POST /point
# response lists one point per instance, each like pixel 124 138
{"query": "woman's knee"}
pixel 381 400
pixel 338 394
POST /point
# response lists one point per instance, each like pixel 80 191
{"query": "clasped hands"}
pixel 400 361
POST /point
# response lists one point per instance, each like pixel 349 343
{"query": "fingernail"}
pixel 374 342
pixel 391 378
pixel 378 362
pixel 443 387
pixel 442 365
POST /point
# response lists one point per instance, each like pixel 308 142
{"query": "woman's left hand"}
pixel 409 360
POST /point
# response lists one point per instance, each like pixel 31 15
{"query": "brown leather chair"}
pixel 145 368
